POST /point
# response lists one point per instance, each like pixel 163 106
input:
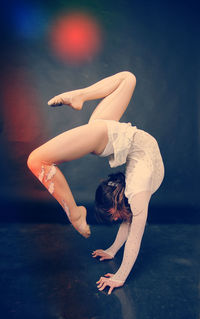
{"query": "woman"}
pixel 123 143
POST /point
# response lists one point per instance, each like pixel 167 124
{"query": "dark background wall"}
pixel 156 40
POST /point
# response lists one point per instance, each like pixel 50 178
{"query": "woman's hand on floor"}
pixel 103 282
pixel 102 254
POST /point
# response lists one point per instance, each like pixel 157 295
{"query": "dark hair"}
pixel 110 196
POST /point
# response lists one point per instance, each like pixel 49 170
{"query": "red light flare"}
pixel 23 130
pixel 22 123
pixel 75 37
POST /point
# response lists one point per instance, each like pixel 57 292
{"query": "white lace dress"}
pixel 144 175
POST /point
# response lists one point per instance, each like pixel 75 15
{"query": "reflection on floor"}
pixel 47 272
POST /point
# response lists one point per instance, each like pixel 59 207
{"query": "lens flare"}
pixel 75 37
pixel 22 121
pixel 27 20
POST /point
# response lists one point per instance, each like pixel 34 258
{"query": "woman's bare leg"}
pixel 65 147
pixel 116 90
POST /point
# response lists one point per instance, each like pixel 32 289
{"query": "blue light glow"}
pixel 27 19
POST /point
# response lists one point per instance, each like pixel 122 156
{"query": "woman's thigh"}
pixel 113 106
pixel 74 144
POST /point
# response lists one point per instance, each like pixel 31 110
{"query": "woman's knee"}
pixel 34 162
pixel 130 77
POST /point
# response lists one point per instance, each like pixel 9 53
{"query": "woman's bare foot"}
pixel 80 223
pixel 72 98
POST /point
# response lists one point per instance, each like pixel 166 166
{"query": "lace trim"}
pixel 121 136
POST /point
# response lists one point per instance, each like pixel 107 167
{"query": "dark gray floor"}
pixel 47 272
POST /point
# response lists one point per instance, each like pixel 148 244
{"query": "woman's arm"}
pixel 139 207
pixel 110 252
pixel 132 247
pixel 120 239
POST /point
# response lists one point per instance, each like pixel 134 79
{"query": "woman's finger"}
pixel 102 258
pixel 100 280
pixel 103 286
pixel 100 284
pixel 95 254
pixel 97 251
pixel 110 290
pixel 108 275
